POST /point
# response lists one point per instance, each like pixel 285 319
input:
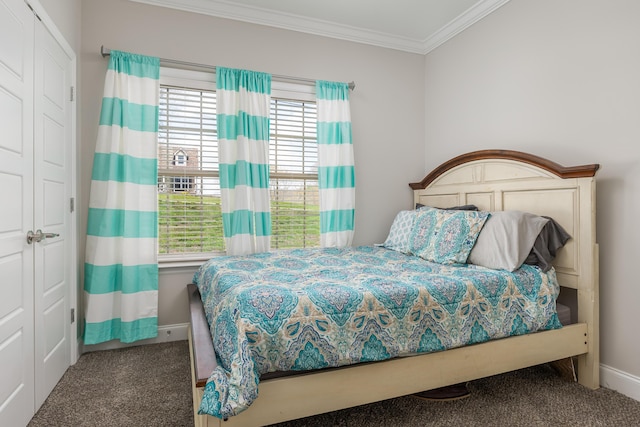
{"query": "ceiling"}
pixel 417 26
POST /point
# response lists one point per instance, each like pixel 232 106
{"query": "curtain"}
pixel 336 174
pixel 121 268
pixel 243 104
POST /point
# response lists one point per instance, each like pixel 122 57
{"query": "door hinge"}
pixel 72 204
pixel 72 94
pixel 73 315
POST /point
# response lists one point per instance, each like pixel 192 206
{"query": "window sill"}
pixel 167 262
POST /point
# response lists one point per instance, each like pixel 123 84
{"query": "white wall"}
pixel 560 79
pixel 387 106
pixel 66 16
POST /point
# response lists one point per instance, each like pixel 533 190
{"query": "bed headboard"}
pixel 512 180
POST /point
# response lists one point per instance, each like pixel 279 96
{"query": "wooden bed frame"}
pixel 492 180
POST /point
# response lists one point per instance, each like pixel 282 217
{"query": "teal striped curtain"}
pixel 121 263
pixel 243 108
pixel 336 174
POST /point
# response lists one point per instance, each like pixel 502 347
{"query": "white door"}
pixel 52 166
pixel 36 173
pixel 16 213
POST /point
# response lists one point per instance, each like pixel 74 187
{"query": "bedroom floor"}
pixel 135 386
pixel 150 386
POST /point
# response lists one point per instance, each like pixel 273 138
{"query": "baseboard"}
pixel 166 333
pixel 620 381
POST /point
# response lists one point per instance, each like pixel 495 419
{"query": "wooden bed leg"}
pixel 588 311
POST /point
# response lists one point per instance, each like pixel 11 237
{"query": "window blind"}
pixel 190 219
pixel 188 185
pixel 293 151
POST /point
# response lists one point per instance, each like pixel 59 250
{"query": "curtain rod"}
pixel 106 52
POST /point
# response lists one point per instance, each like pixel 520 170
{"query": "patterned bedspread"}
pixel 316 308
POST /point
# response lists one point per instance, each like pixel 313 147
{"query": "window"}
pixel 180 158
pixel 190 218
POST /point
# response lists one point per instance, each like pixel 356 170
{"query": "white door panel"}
pixel 53 202
pixel 53 154
pixel 14 389
pixel 15 32
pixel 12 188
pixel 52 135
pixel 16 213
pixel 11 110
pixel 35 188
pixel 11 285
pixel 54 264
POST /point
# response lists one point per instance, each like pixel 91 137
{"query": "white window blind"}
pixel 293 152
pixel 190 219
pixel 188 185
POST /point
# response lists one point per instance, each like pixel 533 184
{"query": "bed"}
pixel 492 180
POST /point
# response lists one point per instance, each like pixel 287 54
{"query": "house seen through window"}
pixel 190 218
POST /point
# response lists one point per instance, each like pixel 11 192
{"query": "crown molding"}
pixel 472 15
pixel 261 16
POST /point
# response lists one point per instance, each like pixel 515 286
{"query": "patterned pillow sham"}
pixel 445 236
pixel 400 232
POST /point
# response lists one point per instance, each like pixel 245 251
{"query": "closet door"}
pixel 16 213
pixel 36 173
pixel 52 184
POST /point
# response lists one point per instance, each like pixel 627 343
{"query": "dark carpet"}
pixel 150 386
pixel 136 386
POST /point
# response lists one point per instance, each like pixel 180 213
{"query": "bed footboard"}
pixel 324 391
pixel 299 396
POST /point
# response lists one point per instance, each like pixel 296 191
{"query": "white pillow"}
pixel 506 240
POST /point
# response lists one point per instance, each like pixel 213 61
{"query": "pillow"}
pixel 453 208
pixel 399 233
pixel 506 240
pixel 445 236
pixel 549 241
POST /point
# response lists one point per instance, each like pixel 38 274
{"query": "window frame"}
pixel 205 80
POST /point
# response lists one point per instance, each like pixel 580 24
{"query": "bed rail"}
pixel 203 354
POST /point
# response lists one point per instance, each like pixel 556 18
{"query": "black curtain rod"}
pixel 106 52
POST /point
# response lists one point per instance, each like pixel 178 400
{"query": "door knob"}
pixel 38 236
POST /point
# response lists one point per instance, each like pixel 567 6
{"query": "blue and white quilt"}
pixel 304 309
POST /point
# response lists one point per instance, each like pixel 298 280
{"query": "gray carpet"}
pixel 150 386
pixel 136 386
